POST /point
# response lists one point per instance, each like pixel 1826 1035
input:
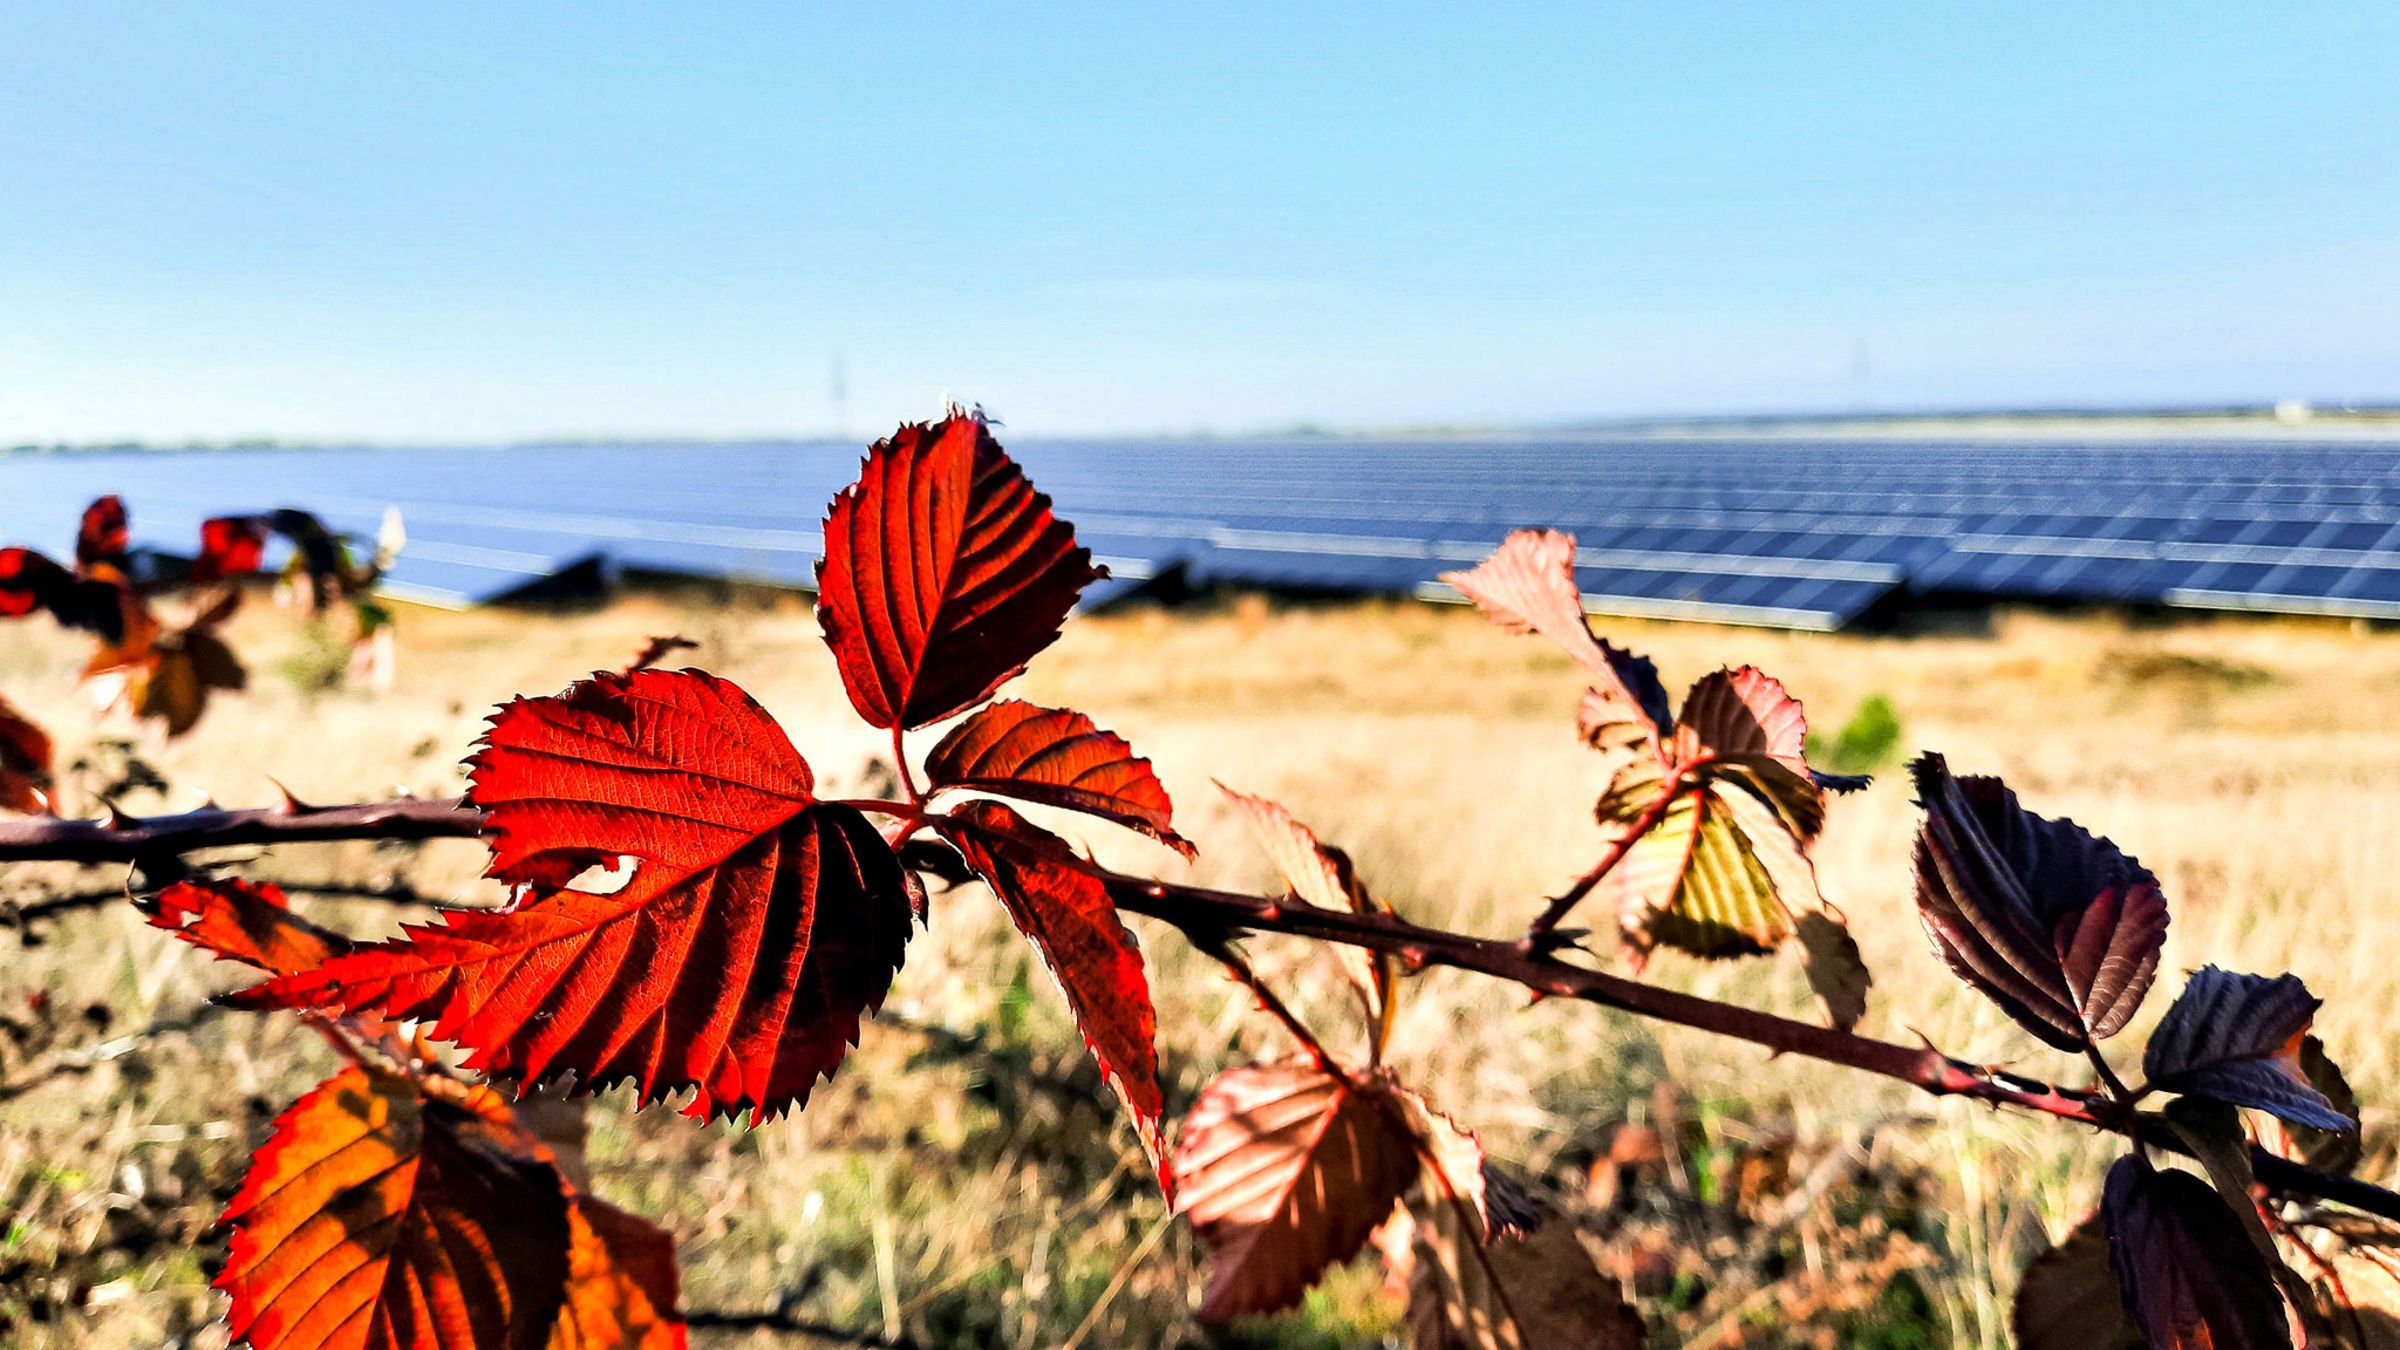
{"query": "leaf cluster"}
pixel 165 669
pixel 692 915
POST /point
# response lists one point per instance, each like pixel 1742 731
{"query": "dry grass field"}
pixel 962 1182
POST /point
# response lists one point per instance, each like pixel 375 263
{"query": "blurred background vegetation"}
pixel 965 1180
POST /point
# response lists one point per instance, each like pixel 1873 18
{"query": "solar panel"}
pixel 1807 534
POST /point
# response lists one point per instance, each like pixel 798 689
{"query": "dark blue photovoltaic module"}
pixel 1782 532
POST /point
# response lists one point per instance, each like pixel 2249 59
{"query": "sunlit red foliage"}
pixel 395 1211
pixel 690 914
pixel 757 926
pixel 247 922
pixel 378 1217
pixel 230 546
pixel 1284 1170
pixel 1054 757
pixel 1067 915
pixel 102 538
pixel 944 573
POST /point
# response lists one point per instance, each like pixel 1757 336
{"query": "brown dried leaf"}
pixel 2357 1300
pixel 24 763
pixel 1836 971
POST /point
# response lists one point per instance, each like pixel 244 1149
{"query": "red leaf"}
pixel 2053 923
pixel 30 581
pixel 944 573
pixel 2190 1278
pixel 758 926
pixel 375 1217
pixel 230 546
pixel 1284 1170
pixel 24 763
pixel 2238 1039
pixel 1747 715
pixel 1064 910
pixel 1453 1164
pixel 1528 586
pixel 102 537
pixel 622 1288
pixel 1054 757
pixel 246 922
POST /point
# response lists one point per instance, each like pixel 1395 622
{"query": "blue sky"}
pixel 451 221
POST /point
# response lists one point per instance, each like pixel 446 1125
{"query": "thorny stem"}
pixel 164 838
pixel 1210 917
pixel 1236 966
pixel 1541 927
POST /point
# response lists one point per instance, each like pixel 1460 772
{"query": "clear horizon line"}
pixel 2288 414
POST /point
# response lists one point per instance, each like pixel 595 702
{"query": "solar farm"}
pixel 1792 534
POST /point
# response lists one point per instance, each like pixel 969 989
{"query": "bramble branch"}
pixel 1545 925
pixel 1209 918
pixel 127 839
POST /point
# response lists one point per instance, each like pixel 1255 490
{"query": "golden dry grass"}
pixel 979 1197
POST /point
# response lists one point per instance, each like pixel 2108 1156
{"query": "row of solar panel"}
pixel 1688 530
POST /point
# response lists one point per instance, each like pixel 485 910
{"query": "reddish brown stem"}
pixel 1209 915
pixel 1573 895
pixel 908 779
pixel 880 806
pixel 1272 1003
pixel 1209 918
pixel 129 839
pixel 2108 1076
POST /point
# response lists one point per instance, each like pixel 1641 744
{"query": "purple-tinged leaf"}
pixel 2055 924
pixel 2237 1038
pixel 1841 782
pixel 2190 1279
pixel 1742 714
